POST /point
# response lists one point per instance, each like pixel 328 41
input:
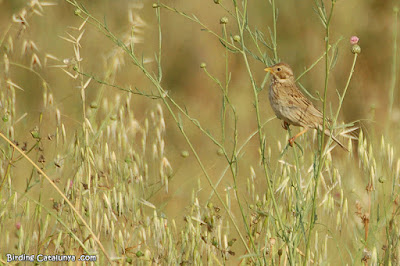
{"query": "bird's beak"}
pixel 269 69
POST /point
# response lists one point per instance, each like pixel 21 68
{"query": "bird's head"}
pixel 281 72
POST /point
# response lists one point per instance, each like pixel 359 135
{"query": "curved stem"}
pixel 341 98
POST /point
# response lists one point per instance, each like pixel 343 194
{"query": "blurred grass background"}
pixel 300 42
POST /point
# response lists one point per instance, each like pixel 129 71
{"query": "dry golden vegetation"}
pixel 140 132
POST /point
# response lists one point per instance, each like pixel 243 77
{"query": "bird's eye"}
pixel 279 69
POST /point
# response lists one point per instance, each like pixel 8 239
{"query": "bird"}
pixel 290 105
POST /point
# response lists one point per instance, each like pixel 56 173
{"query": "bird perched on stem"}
pixel 290 105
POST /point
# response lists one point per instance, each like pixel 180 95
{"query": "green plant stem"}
pixel 394 63
pixel 233 163
pixel 341 97
pixel 274 45
pixel 8 171
pixel 311 67
pixel 320 152
pixel 299 193
pixel 224 90
pixel 259 128
pixel 158 15
pixel 205 28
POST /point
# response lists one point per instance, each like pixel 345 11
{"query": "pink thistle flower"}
pixel 354 40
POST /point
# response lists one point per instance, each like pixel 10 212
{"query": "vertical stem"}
pixel 158 14
pixel 225 93
pixel 394 63
pixel 321 150
pixel 274 31
pixel 259 127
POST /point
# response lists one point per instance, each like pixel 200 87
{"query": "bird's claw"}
pixel 285 125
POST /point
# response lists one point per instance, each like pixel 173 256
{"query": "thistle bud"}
pixel 356 49
pixel 223 20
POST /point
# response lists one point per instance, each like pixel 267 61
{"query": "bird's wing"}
pixel 307 114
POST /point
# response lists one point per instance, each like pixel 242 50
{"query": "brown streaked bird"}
pixel 290 105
